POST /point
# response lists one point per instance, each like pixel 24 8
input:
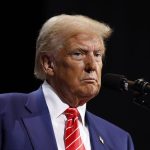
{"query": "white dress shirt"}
pixel 56 109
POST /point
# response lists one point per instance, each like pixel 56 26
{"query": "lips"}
pixel 89 80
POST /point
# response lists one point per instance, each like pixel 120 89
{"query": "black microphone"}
pixel 121 83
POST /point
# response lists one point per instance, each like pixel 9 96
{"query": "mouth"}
pixel 89 80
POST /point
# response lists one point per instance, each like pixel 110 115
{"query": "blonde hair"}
pixel 56 30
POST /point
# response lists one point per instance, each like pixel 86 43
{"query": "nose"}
pixel 90 63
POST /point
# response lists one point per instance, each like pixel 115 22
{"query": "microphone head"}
pixel 115 81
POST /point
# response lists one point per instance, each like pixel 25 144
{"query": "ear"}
pixel 47 65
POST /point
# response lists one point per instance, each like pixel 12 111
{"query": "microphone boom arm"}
pixel 139 88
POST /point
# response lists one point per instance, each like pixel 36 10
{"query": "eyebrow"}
pixel 86 50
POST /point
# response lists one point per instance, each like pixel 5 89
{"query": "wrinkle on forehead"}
pixel 89 42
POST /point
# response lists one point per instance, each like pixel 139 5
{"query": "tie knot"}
pixel 71 113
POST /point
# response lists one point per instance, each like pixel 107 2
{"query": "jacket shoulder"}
pixel 12 101
pixel 105 124
pixel 116 137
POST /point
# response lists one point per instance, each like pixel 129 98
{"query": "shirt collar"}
pixel 82 110
pixel 56 106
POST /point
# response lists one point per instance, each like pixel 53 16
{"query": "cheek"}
pixel 73 69
pixel 71 73
pixel 99 69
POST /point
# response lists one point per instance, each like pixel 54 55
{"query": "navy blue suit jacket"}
pixel 25 124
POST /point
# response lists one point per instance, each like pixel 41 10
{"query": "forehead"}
pixel 85 41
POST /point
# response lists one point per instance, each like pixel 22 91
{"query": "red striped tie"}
pixel 72 133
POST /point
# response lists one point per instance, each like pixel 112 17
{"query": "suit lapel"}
pixel 98 141
pixel 38 123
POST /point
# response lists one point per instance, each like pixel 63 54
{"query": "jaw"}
pixel 82 96
pixel 78 95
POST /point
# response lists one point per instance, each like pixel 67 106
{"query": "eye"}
pixel 98 54
pixel 77 55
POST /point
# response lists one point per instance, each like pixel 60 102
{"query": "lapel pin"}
pixel 101 140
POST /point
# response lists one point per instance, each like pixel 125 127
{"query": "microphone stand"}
pixel 141 93
pixel 141 101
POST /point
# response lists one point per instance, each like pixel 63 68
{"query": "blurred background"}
pixel 128 53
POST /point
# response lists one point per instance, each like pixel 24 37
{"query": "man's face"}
pixel 77 69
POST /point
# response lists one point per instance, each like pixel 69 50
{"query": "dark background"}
pixel 128 52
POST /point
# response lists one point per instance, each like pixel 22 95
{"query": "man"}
pixel 69 54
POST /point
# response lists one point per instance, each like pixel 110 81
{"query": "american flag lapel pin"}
pixel 101 140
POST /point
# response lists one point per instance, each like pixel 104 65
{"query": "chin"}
pixel 91 90
pixel 85 99
pixel 89 94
